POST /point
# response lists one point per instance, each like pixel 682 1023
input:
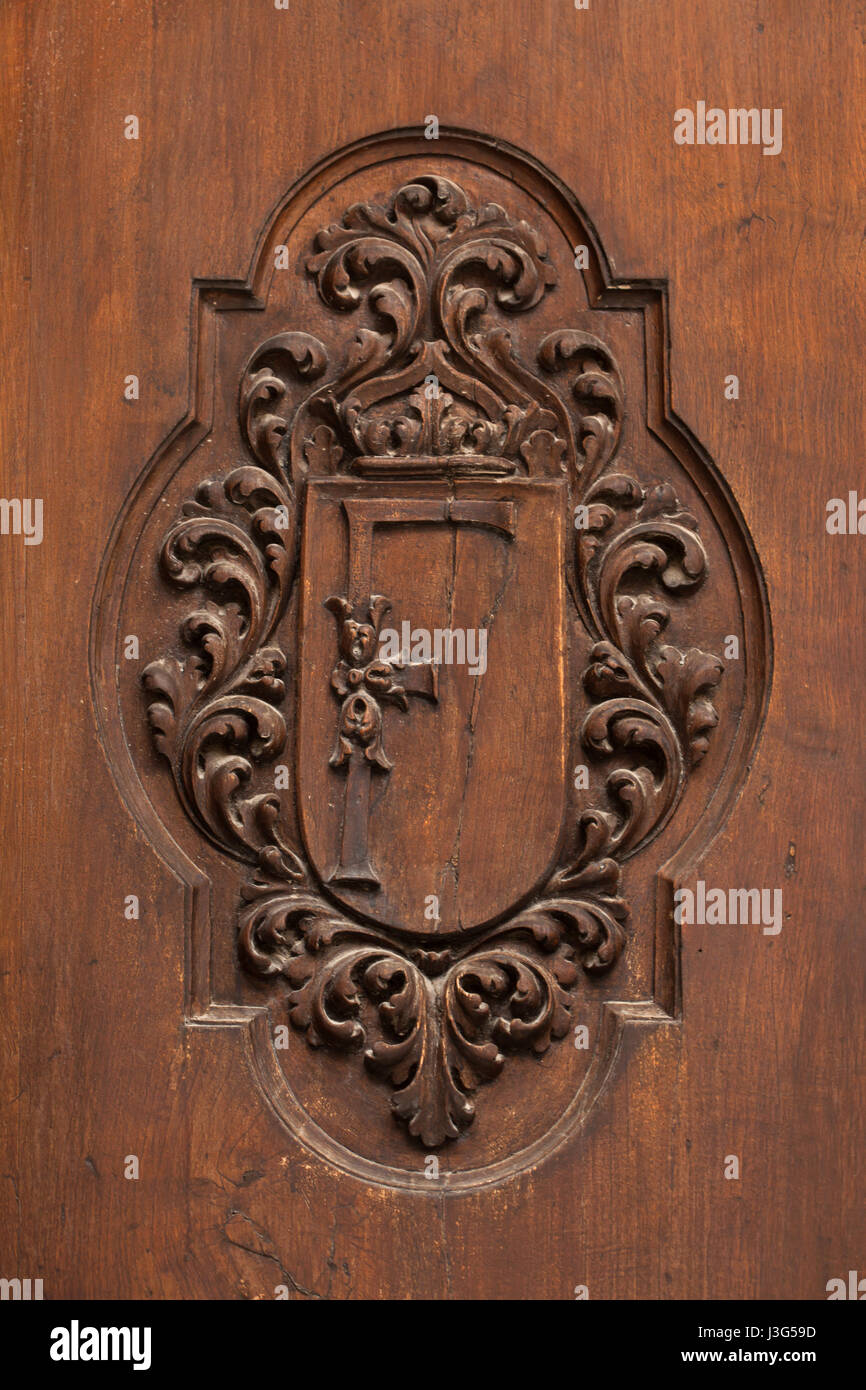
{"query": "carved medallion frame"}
pixel 436 1019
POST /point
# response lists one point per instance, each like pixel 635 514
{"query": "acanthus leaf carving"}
pixel 436 1021
pixel 435 1024
pixel 650 699
pixel 407 264
pixel 597 389
pixel 264 409
pixel 215 711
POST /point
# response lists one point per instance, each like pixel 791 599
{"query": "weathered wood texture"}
pixel 102 239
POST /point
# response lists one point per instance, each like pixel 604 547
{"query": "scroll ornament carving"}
pixel 438 280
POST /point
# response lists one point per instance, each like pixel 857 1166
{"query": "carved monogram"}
pixel 434 389
pixel 364 683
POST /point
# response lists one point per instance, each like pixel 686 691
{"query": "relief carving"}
pixel 430 389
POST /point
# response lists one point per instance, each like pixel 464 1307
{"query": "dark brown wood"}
pixel 368 957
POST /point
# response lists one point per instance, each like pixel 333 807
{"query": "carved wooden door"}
pixel 412 908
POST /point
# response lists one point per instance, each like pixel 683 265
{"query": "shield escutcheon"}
pixel 419 627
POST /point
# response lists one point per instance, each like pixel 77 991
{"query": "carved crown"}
pixel 428 386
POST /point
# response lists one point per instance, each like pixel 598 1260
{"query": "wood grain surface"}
pixel 102 238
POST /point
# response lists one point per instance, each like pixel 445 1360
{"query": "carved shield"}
pixel 418 777
pixel 439 658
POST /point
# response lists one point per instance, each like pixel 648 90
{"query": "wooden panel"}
pixel 148 1037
